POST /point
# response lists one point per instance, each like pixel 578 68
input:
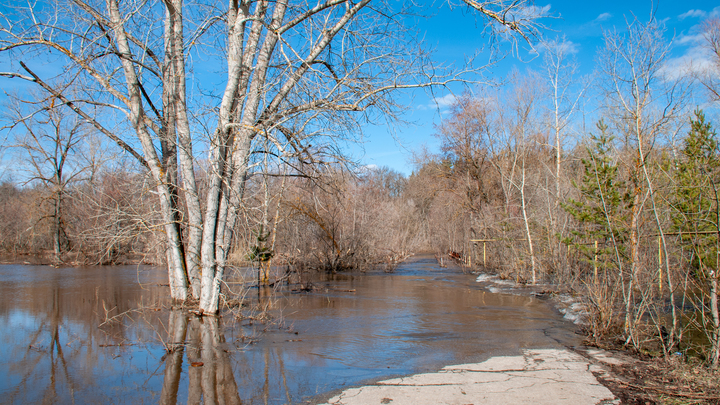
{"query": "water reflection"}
pixel 52 350
pixel 210 375
pixel 64 339
pixel 44 358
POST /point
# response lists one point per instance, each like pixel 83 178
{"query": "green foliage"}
pixel 260 252
pixel 696 193
pixel 604 206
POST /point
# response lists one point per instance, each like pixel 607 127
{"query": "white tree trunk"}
pixel 176 266
pixel 528 235
pixel 175 61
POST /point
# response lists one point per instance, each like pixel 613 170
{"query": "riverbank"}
pixel 632 377
pixel 70 259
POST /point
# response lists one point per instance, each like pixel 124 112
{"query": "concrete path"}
pixel 548 376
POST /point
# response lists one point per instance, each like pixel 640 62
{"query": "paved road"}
pixel 548 376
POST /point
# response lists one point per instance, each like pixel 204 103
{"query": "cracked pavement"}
pixel 539 376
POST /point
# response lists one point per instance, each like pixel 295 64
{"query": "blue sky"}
pixel 456 33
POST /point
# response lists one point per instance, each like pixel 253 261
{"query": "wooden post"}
pixel 484 256
pixel 595 262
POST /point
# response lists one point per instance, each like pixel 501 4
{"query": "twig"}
pixel 681 394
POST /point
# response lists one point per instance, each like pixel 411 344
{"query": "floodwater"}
pixel 105 335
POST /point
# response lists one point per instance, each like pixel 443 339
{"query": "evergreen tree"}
pixel 603 208
pixel 698 222
pixel 697 181
pixel 261 254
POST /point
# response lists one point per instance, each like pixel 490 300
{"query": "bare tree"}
pixel 15 218
pixel 465 136
pixel 520 17
pixel 709 77
pixel 47 139
pixel 560 69
pixel 564 96
pixel 643 103
pixel 518 123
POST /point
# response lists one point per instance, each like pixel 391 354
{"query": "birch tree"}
pixel 564 96
pixel 560 70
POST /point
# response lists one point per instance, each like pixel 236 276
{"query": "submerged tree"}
pixel 292 71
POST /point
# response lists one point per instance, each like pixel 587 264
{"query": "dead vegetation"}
pixel 662 381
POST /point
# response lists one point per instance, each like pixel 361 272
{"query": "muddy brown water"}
pixel 59 342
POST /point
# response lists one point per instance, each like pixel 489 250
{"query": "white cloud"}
pixel 439 103
pixel 603 17
pixel 564 46
pixel 696 58
pixel 695 61
pixel 692 14
pixel 715 12
pixel 689 39
pixel 445 101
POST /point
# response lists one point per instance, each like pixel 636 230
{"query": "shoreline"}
pixel 571 307
pixel 632 377
pixel 70 260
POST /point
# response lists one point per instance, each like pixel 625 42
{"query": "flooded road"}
pixel 62 344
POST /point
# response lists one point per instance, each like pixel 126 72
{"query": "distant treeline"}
pixel 631 250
